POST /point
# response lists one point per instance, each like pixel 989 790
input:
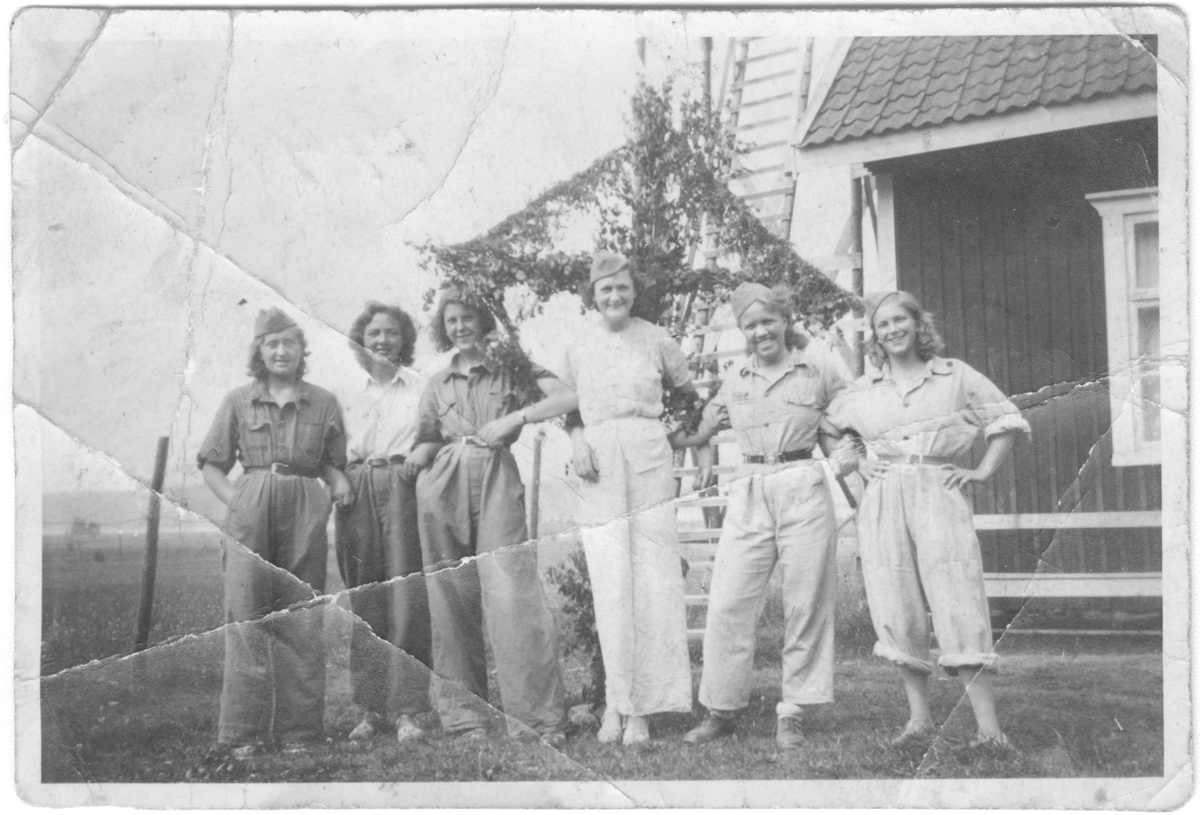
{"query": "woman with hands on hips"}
pixel 618 366
pixel 918 415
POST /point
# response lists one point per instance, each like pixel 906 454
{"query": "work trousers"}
pixel 274 668
pixel 379 555
pixel 777 515
pixel 919 546
pixel 481 569
pixel 633 562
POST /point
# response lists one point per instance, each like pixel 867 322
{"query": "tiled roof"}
pixel 892 83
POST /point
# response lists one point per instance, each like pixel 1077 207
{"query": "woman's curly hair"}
pixel 781 303
pixel 487 321
pixel 258 369
pixel 929 341
pixel 408 332
pixel 645 301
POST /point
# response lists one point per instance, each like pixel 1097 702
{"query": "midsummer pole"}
pixel 146 602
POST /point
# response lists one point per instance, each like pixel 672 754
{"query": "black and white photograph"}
pixel 585 408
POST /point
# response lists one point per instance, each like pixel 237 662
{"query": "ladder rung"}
pixel 766 219
pixel 739 85
pixel 696 599
pixel 697 536
pixel 763 123
pixel 695 633
pixel 766 193
pixel 709 356
pixel 758 148
pixel 764 100
pixel 714 328
pixel 742 173
pixel 771 55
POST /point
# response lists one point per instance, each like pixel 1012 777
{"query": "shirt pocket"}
pixel 256 438
pixel 310 442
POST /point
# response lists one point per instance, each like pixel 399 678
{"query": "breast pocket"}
pixel 310 441
pixel 256 442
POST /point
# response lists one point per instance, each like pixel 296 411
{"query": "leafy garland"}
pixel 651 196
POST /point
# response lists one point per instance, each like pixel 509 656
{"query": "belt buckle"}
pixel 275 465
pixel 771 458
pixel 377 462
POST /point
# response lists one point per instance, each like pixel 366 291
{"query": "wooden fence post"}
pixel 537 483
pixel 146 602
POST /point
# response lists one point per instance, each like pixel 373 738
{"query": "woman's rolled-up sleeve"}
pixel 335 439
pixel 674 362
pixel 220 446
pixel 989 409
pixel 715 416
pixel 429 428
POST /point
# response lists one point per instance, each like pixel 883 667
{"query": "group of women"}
pixel 432 540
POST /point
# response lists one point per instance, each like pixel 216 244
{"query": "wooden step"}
pixel 758 148
pixel 763 123
pixel 771 55
pixel 764 100
pixel 754 196
pixel 760 79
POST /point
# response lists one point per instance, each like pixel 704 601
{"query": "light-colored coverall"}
pixel 916 535
pixel 275 670
pixel 378 541
pixel 777 514
pixel 630 539
pixel 471 502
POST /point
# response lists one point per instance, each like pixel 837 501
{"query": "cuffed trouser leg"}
pixel 919 545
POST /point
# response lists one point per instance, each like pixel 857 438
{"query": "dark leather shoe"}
pixel 788 734
pixel 713 727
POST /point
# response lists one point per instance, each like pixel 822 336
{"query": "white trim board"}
pixel 1000 127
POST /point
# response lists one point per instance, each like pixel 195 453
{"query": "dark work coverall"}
pixel 275 669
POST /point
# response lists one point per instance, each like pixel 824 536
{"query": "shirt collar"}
pixel 259 392
pixel 403 375
pixel 488 363
pixel 935 365
pixel 796 358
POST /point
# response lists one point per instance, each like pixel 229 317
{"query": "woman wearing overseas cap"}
pixel 780 513
pixel 918 415
pixel 287 435
pixel 481 567
pixel 618 367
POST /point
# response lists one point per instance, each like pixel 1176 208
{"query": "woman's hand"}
pixel 958 478
pixel 494 432
pixel 339 485
pixel 585 460
pixel 870 469
pixel 704 479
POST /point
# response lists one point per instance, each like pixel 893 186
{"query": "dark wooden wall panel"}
pixel 1001 245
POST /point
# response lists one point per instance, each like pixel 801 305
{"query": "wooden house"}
pixel 1011 184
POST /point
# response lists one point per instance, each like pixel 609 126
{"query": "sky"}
pixel 195 167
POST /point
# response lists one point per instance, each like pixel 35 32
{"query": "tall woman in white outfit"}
pixel 618 367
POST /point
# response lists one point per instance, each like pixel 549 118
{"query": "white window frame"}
pixel 1120 212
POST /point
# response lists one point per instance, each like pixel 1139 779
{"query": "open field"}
pixel 1074 706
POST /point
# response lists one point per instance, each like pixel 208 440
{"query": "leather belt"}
pixel 285 469
pixel 379 461
pixel 930 461
pixel 474 441
pixel 779 458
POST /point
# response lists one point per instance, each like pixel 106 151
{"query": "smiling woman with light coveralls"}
pixel 918 415
pixel 287 434
pixel 780 513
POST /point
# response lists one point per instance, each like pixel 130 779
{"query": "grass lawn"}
pixel 1072 707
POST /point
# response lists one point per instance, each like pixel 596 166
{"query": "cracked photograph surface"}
pixel 520 408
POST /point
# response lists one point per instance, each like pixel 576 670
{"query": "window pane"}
pixel 1148 349
pixel 1145 238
